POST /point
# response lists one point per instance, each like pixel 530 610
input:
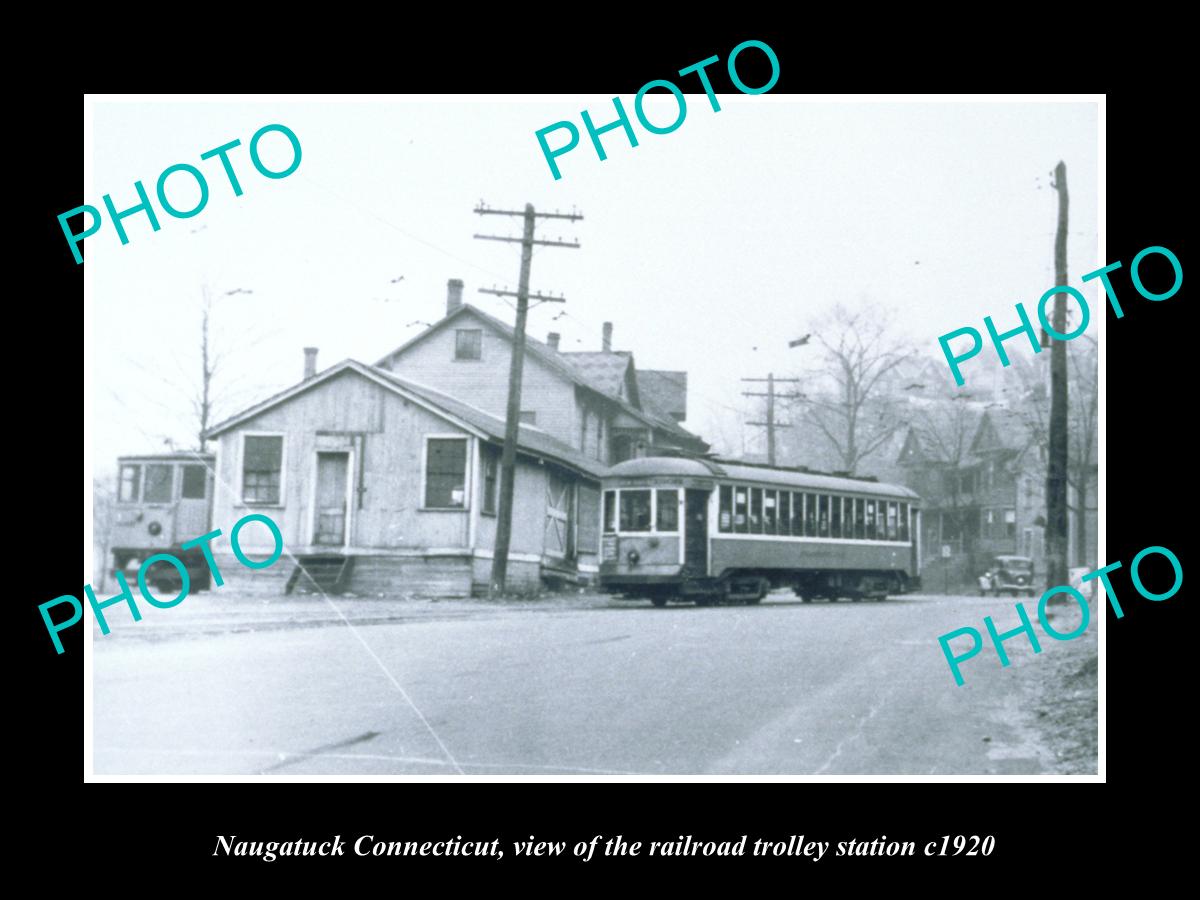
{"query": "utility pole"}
pixel 512 423
pixel 771 396
pixel 1056 469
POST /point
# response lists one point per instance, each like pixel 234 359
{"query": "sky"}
pixel 707 248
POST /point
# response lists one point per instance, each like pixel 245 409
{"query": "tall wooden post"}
pixel 1056 470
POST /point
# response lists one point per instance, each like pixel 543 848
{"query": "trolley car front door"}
pixel 695 535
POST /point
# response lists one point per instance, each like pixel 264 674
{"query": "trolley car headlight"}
pixel 633 556
pixel 154 528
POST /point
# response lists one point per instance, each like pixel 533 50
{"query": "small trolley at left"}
pixel 162 500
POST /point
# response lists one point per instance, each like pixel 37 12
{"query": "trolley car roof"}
pixel 691 467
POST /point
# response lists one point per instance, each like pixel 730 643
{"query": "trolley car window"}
pixel 667 510
pixel 770 519
pixel 870 520
pixel 797 513
pixel 904 521
pixel 785 512
pixel 823 514
pixel 193 483
pixel 159 483
pixel 893 530
pixel 810 515
pixel 741 521
pixel 835 518
pixel 635 510
pixel 860 519
pixel 756 510
pixel 725 523
pixel 610 512
pixel 131 479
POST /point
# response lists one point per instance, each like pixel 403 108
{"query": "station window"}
pixel 131 480
pixel 904 521
pixel 835 518
pixel 785 512
pixel 860 519
pixel 770 513
pixel 741 520
pixel 468 343
pixel 160 481
pixel 725 522
pixel 262 468
pixel 635 510
pixel 610 512
pixel 194 478
pixel 491 466
pixel 756 510
pixel 810 515
pixel 667 510
pixel 870 520
pixel 823 515
pixel 445 473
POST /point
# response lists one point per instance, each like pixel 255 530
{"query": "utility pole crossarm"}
pixel 540 297
pixel 513 240
pixel 482 210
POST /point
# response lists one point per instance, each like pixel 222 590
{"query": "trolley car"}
pixel 163 500
pixel 708 530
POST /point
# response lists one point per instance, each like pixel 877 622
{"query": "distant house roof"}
pixel 1002 428
pixel 663 392
pixel 607 371
pixel 560 362
pixel 530 440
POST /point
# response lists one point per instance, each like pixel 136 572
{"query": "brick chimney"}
pixel 310 362
pixel 552 339
pixel 606 342
pixel 454 288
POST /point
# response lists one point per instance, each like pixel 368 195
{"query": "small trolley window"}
pixel 667 510
pixel 810 515
pixel 823 514
pixel 131 481
pixel 635 510
pixel 835 517
pixel 725 523
pixel 741 517
pixel 770 512
pixel 610 512
pixel 756 510
pixel 785 512
pixel 870 520
pixel 893 529
pixel 860 519
pixel 797 513
pixel 904 521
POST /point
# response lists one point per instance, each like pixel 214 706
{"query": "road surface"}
pixel 576 685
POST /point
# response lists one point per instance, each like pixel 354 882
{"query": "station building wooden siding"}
pixel 362 439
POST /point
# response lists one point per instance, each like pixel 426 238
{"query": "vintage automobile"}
pixel 1008 574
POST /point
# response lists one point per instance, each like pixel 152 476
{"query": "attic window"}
pixel 468 343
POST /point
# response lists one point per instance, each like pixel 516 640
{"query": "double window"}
pixel 636 510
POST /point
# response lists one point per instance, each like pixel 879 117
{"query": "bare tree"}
pixel 851 407
pixel 206 389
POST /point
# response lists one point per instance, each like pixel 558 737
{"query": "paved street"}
pixel 582 684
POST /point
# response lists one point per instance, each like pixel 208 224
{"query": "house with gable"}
pixel 986 500
pixel 384 479
pixel 597 402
